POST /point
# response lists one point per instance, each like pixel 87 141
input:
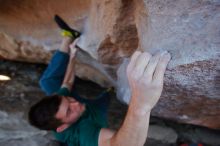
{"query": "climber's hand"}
pixel 145 75
pixel 73 49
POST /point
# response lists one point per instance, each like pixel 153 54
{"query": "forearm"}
pixel 70 74
pixel 134 129
pixel 145 75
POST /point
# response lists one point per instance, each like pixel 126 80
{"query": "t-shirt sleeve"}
pixel 63 92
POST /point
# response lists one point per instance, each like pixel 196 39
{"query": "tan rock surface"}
pixel 113 30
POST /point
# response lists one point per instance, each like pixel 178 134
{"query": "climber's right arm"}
pixel 145 75
pixel 70 72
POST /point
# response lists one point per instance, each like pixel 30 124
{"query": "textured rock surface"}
pixel 112 30
pixel 167 135
pixel 23 90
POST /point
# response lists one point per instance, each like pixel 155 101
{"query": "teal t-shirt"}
pixel 85 132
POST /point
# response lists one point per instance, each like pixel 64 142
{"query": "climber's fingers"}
pixel 161 67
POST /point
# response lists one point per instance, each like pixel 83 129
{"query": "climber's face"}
pixel 69 112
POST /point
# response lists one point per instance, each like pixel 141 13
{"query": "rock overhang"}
pixel 113 30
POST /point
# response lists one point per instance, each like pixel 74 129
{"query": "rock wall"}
pixel 113 30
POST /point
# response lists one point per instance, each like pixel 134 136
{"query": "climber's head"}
pixel 55 113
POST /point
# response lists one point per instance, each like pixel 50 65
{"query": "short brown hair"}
pixel 42 114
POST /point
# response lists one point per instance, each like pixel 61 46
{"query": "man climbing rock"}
pixel 76 121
